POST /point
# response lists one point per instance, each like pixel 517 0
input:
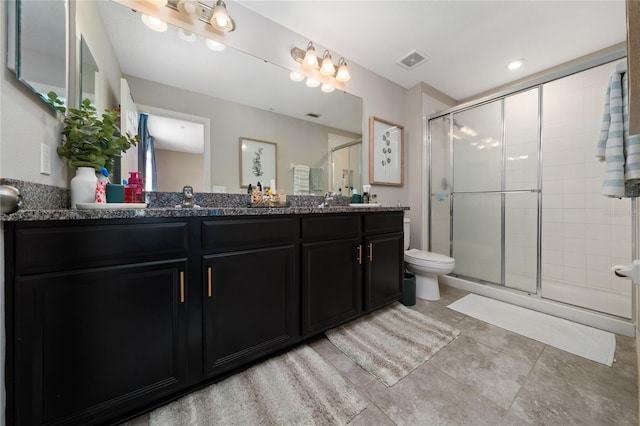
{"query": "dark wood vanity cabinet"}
pixel 97 320
pixel 384 262
pixel 250 292
pixel 108 318
pixel 350 264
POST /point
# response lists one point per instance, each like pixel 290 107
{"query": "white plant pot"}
pixel 83 186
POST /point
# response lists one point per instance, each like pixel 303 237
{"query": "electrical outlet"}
pixel 45 159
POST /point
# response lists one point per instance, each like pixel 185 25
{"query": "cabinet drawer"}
pixel 330 227
pixel 383 222
pixel 234 234
pixel 80 245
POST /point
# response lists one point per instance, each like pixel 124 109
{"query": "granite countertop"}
pixel 168 212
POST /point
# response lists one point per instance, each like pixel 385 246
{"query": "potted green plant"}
pixel 89 143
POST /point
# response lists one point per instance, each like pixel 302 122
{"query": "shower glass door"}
pixel 477 201
pixel 491 175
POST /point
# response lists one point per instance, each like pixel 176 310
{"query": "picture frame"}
pixel 386 152
pixel 258 162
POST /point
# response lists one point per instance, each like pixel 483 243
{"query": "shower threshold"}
pixel 531 301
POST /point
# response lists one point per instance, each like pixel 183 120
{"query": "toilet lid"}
pixel 429 256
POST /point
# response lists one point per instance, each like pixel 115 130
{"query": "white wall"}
pixel 177 169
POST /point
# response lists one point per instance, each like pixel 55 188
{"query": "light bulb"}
pixel 296 76
pixel 158 2
pixel 154 23
pixel 327 88
pixel 189 8
pixel 214 45
pixel 312 83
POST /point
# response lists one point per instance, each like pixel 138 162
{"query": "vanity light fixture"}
pixel 309 59
pixel 154 23
pixel 220 19
pixel 215 45
pixel 158 2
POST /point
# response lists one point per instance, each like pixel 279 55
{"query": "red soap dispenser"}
pixel 134 191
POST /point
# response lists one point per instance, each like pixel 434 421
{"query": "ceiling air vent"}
pixel 412 60
pixel 313 115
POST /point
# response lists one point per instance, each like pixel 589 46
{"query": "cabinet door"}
pixel 250 305
pixel 383 270
pixel 91 345
pixel 331 283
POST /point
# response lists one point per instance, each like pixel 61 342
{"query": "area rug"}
pixel 295 388
pixel 391 342
pixel 578 339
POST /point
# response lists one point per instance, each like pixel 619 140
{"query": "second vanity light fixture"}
pixel 217 16
pixel 309 59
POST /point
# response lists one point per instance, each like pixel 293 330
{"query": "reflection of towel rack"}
pixel 300 179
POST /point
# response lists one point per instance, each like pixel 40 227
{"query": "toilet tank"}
pixel 406 228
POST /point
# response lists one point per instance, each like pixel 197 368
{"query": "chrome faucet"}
pixel 187 197
pixel 327 200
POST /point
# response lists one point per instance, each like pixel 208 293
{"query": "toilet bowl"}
pixel 426 266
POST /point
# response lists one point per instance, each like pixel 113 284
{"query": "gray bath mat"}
pixel 392 342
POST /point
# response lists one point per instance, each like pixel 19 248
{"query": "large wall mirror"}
pixel 175 75
pixel 36 35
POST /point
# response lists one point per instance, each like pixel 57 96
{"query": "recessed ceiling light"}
pixel 514 65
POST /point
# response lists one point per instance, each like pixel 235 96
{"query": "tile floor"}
pixel 490 376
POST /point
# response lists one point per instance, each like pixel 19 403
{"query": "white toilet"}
pixel 426 266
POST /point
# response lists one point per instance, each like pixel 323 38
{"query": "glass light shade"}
pixel 187 36
pixel 220 19
pixel 296 76
pixel 154 23
pixel 312 83
pixel 343 73
pixel 214 45
pixel 327 67
pixel 158 2
pixel 327 88
pixel 189 8
pixel 310 58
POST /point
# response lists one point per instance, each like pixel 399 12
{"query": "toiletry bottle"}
pixel 365 198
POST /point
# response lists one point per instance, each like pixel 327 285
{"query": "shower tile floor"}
pixel 491 376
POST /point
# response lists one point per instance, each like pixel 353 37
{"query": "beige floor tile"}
pixel 496 375
pixel 438 312
pixel 503 340
pixel 372 415
pixel 429 397
pixel 566 389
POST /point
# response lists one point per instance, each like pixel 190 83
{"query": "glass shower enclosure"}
pixel 514 195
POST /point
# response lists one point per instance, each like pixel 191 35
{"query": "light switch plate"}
pixel 45 159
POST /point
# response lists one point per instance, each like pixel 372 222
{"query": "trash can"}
pixel 409 295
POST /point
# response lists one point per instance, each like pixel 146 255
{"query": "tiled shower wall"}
pixel 584 233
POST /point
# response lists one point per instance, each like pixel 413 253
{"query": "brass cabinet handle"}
pixel 360 254
pixel 209 281
pixel 181 286
pixel 370 252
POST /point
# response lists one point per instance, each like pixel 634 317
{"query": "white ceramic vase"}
pixel 83 186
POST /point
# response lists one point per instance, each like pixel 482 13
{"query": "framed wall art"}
pixel 386 152
pixel 258 162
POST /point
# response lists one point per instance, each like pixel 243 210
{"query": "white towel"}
pixel 620 151
pixel 301 180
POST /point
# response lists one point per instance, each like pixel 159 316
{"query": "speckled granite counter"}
pixel 68 214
